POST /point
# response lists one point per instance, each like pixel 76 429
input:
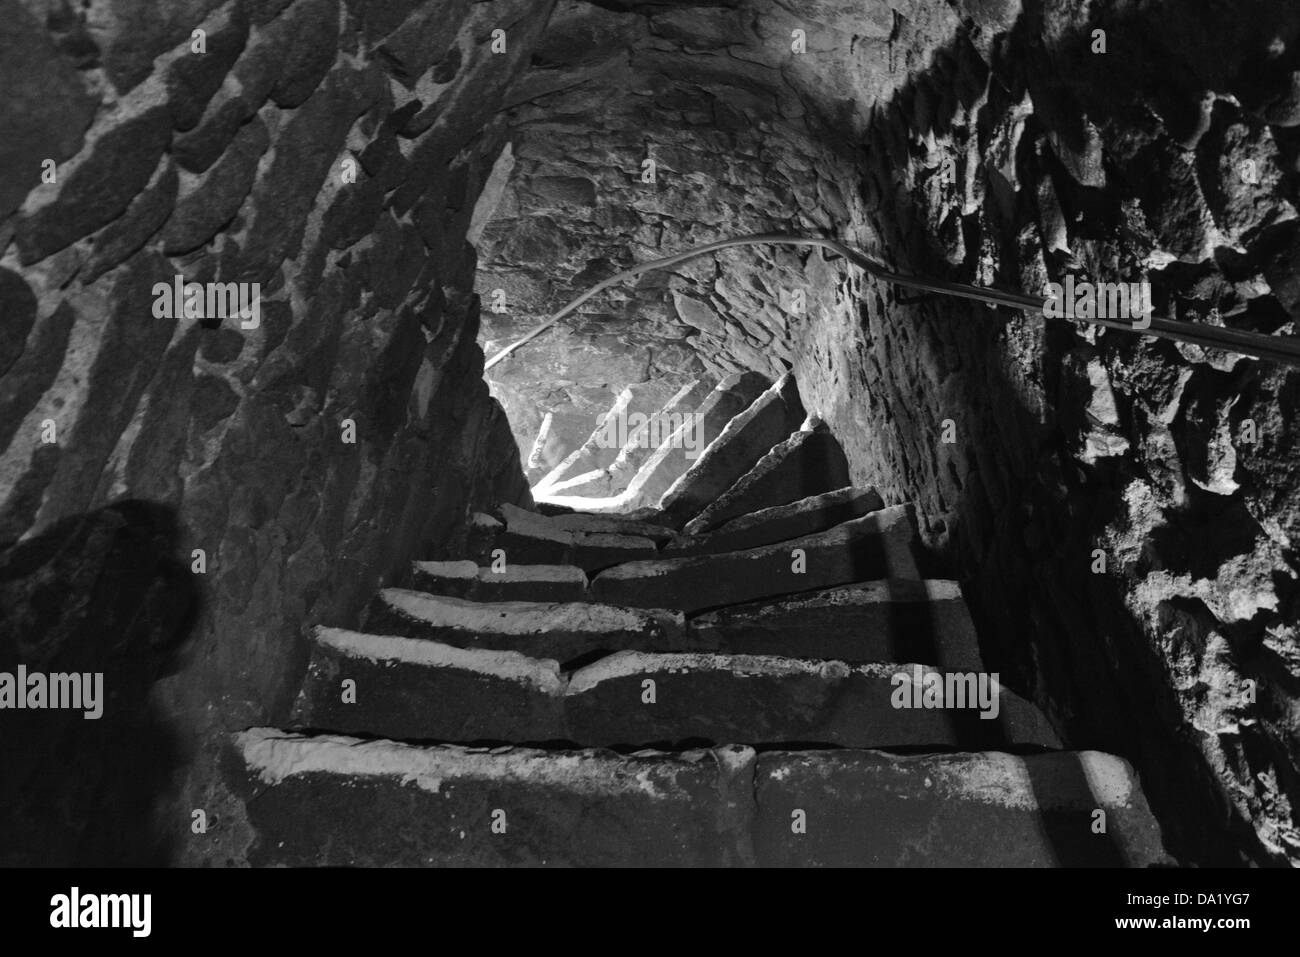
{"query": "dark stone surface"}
pixel 135 32
pixel 45 112
pixel 310 31
pixel 33 372
pixel 215 198
pixel 305 151
pixel 17 315
pixel 144 217
pixel 425 38
pixel 118 166
pixel 194 77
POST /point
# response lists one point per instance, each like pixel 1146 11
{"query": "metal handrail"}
pixel 1254 344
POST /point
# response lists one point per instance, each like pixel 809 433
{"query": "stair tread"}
pixel 521 617
pixel 468 570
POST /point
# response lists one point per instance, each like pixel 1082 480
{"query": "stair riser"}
pixel 651 631
pixel 930 632
pixel 779 524
pixel 487 589
pixel 410 703
pixel 666 812
pixel 769 420
pixel 732 578
pixel 834 706
pixel 863 810
pixel 808 464
pixel 725 807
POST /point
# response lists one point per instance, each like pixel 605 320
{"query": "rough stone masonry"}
pixel 177 501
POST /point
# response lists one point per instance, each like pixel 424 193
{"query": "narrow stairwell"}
pixel 729 659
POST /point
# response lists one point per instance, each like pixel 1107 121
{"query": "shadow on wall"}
pixel 1023 512
pixel 103 592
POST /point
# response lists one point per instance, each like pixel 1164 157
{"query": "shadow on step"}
pixel 1060 784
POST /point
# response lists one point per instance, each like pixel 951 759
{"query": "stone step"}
pixel 769 420
pixel 641 444
pixel 889 620
pixel 330 800
pixel 410 688
pixel 781 523
pixel 864 809
pixel 732 396
pixel 413 689
pixel 342 802
pixel 530 538
pixel 573 485
pixel 561 630
pixel 607 524
pixel 464 579
pixel 632 699
pixel 877 545
pixel 597 452
pixel 808 463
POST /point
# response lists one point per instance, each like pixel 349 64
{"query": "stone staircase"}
pixel 721 660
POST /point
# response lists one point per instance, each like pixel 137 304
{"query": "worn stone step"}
pixel 611 525
pixel 464 579
pixel 574 484
pixel 615 478
pixel 337 801
pixel 411 689
pixel 675 455
pixel 768 699
pixel 560 630
pixel 877 545
pixel 769 420
pixel 596 452
pixel 781 523
pixel 865 809
pixel 332 800
pixel 887 620
pixel 808 463
pixel 529 538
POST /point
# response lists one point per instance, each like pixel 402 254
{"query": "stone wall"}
pixel 332 153
pixel 1017 155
